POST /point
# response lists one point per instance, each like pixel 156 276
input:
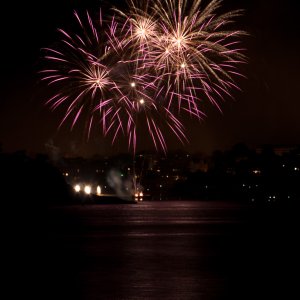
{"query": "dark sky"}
pixel 266 111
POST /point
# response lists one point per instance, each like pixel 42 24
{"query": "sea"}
pixel 159 250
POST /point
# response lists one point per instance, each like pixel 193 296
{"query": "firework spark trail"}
pixel 87 66
pixel 145 67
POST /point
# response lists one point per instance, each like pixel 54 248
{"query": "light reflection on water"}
pixel 160 250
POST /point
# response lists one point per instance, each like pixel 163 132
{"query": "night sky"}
pixel 265 112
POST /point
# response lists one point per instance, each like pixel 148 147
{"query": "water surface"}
pixel 168 250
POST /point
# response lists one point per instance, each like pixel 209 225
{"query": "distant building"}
pixel 278 149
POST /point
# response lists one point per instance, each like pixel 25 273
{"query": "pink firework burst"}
pixel 189 48
pixel 96 76
pixel 145 68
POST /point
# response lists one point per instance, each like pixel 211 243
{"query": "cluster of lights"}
pixel 271 197
pixel 138 196
pixel 257 172
pixel 87 189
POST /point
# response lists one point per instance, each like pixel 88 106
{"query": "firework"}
pixel 145 67
pixel 188 48
pixel 93 79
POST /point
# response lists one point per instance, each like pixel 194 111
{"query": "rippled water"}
pixel 166 250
